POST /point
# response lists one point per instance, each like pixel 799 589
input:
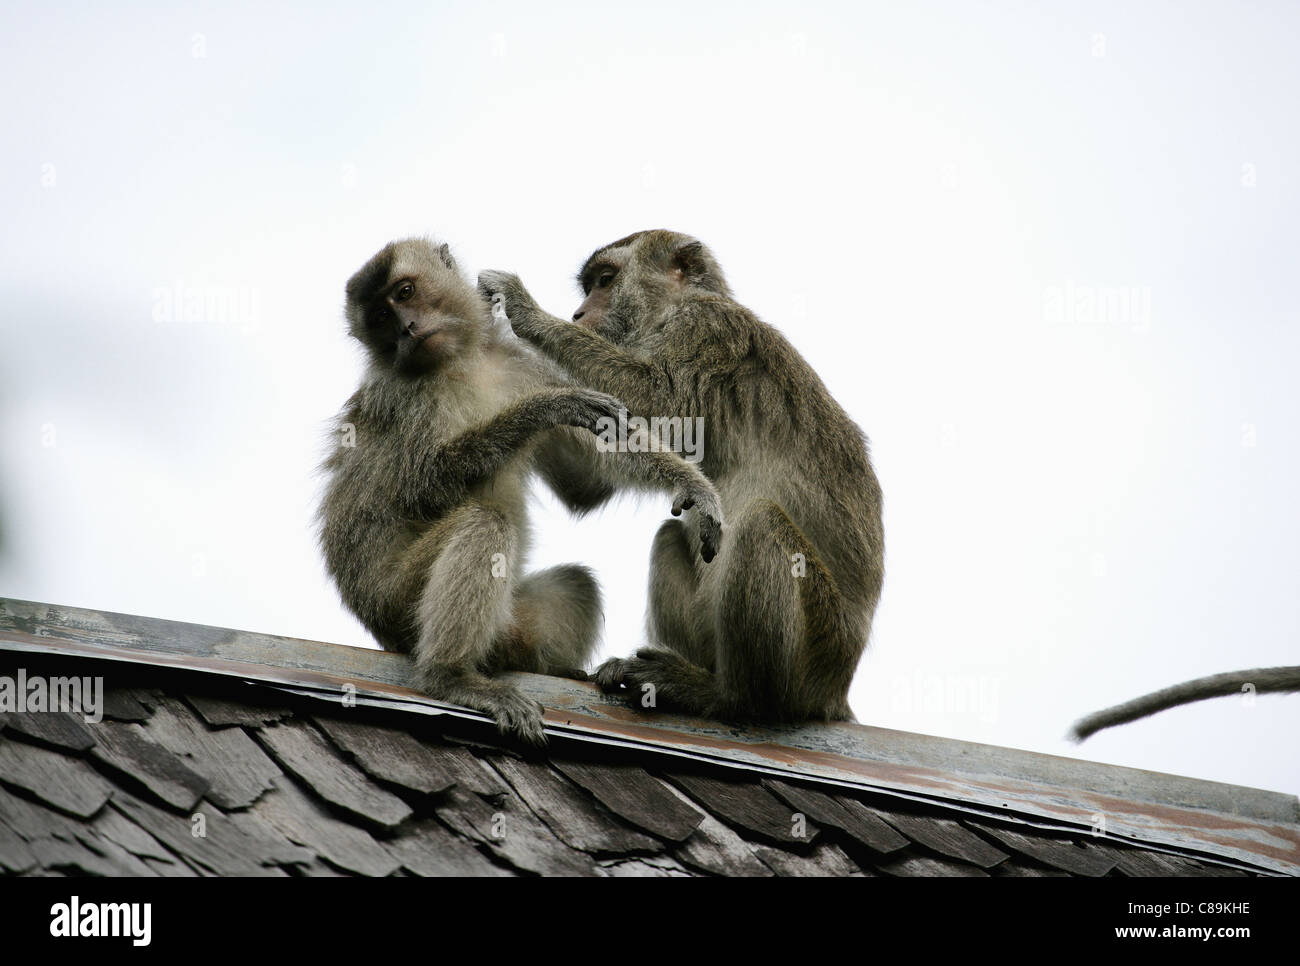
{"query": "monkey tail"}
pixel 1263 680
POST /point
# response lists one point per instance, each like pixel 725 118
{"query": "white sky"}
pixel 1081 505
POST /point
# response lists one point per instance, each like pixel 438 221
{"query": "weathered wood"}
pixel 917 865
pixel 78 857
pixel 471 773
pixel 235 766
pixel 646 867
pixel 69 784
pixel 221 714
pixel 849 816
pixel 573 816
pixel 1018 868
pixel 15 855
pixel 1133 861
pixel 172 870
pixel 302 821
pixel 430 849
pixel 390 754
pixel 827 860
pixel 32 820
pixel 637 796
pixel 61 729
pixel 238 844
pixel 304 751
pixel 513 834
pixel 945 836
pixel 715 849
pixel 127 750
pixel 112 825
pixel 122 704
pixel 748 805
pixel 1049 850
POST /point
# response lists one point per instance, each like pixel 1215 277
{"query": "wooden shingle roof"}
pixel 315 762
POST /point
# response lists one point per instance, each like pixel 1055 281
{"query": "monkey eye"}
pixel 604 279
pixel 404 291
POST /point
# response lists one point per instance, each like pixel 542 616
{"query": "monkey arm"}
pixel 589 358
pixel 441 476
pixel 594 361
pixel 567 463
pixel 584 477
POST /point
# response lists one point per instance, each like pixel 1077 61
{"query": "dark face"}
pixel 411 308
pixel 408 316
pixel 598 283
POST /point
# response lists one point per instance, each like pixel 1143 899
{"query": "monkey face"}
pixel 411 308
pixel 598 280
pixel 626 282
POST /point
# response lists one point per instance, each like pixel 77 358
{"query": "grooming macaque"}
pixel 424 525
pixel 773 630
pixel 1261 681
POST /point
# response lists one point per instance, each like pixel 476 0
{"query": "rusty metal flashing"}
pixel 1247 827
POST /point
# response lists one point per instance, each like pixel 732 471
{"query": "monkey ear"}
pixel 690 259
pixel 698 267
pixel 444 253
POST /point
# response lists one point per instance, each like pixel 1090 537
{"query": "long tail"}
pixel 1262 679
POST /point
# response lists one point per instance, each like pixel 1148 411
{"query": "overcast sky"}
pixel 1045 255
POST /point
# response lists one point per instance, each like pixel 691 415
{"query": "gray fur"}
pixel 423 523
pixel 1263 680
pixel 745 638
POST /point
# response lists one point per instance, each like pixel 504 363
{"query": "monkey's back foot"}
pixel 516 715
pixel 658 677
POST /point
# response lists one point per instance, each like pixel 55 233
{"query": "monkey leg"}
pixel 674 618
pixel 783 651
pixel 674 671
pixel 465 611
pixel 557 617
pixel 785 648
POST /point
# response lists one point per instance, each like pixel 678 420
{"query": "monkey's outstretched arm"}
pixel 441 476
pixel 589 358
pixel 1216 685
pixel 584 477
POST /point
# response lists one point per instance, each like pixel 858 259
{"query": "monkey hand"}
pixel 586 409
pixel 708 511
pixel 515 300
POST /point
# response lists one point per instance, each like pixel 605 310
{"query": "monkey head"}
pixel 637 276
pixel 411 307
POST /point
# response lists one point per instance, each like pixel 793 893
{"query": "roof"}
pixel 300 758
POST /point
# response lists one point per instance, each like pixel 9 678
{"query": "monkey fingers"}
pixel 710 536
pixel 519 716
pixel 710 518
pixel 609 676
pixel 517 303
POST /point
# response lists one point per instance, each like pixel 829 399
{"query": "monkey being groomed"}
pixel 423 521
pixel 772 630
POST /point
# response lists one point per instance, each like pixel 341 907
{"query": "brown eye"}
pixel 604 279
pixel 404 291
